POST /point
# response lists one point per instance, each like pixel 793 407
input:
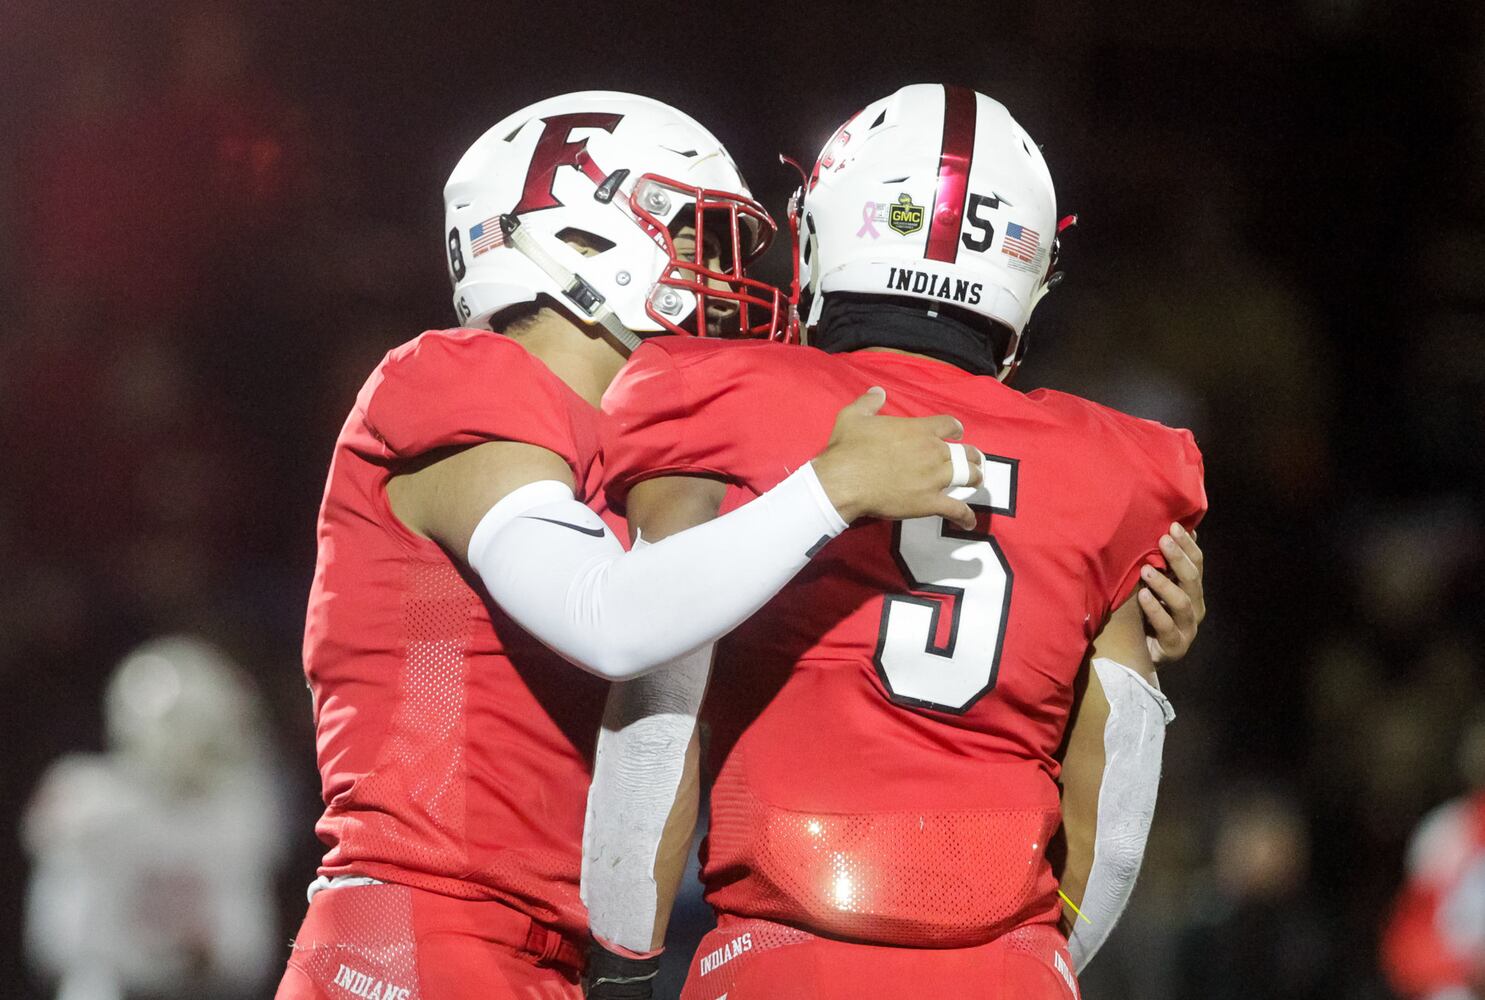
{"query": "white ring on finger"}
pixel 959 462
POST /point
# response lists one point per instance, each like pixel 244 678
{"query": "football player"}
pixel 1433 944
pixel 153 863
pixel 454 539
pixel 886 732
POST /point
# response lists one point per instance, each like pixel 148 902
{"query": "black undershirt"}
pixel 963 339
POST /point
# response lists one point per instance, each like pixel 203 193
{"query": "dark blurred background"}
pixel 217 217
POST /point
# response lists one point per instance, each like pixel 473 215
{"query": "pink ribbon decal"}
pixel 868 220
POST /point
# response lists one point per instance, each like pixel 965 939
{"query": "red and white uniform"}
pixel 883 732
pixel 454 749
pixel 1434 943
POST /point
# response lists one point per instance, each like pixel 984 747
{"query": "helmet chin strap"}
pixel 1014 352
pixel 588 300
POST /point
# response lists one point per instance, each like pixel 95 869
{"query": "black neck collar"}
pixel 965 340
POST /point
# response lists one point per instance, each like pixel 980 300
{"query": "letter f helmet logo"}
pixel 555 149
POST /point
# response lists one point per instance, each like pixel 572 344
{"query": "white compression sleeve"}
pixel 1133 740
pixel 637 772
pixel 550 563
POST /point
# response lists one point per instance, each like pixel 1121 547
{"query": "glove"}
pixel 618 977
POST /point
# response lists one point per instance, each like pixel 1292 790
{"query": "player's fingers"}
pixel 1187 563
pixel 1170 594
pixel 942 426
pixel 956 512
pixel 867 404
pixel 1180 562
pixel 1163 625
pixel 964 469
pixel 976 465
pixel 1187 541
pixel 1173 596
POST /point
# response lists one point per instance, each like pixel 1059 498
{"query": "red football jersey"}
pixel 454 749
pixel 883 732
pixel 1434 942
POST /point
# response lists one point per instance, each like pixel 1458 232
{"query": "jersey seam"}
pixel 410 540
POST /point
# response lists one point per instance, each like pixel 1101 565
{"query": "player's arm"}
pixel 1111 766
pixel 1174 606
pixel 645 797
pixel 508 510
pixel 1110 775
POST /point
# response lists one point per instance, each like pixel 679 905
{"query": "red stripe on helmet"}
pixel 953 174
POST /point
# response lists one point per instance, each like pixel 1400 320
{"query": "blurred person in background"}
pixel 154 862
pixel 1433 947
pixel 1258 932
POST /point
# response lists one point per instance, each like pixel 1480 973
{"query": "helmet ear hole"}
pixel 586 243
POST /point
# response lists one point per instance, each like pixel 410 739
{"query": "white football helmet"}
pixel 153 864
pixel 180 708
pixel 617 171
pixel 932 193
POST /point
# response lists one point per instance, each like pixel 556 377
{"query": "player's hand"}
pixel 894 467
pixel 611 976
pixel 1174 608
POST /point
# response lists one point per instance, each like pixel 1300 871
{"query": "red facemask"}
pixel 744 231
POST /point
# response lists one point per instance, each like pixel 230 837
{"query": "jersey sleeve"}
pixel 661 420
pixel 1165 485
pixel 465 387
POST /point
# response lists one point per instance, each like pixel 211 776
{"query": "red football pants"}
pixel 392 942
pixel 759 960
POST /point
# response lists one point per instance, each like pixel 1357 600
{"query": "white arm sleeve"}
pixel 647 725
pixel 550 563
pixel 1133 740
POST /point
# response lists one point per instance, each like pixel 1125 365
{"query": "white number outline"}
pixel 935 608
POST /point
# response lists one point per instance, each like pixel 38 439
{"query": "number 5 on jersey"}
pixel 923 661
